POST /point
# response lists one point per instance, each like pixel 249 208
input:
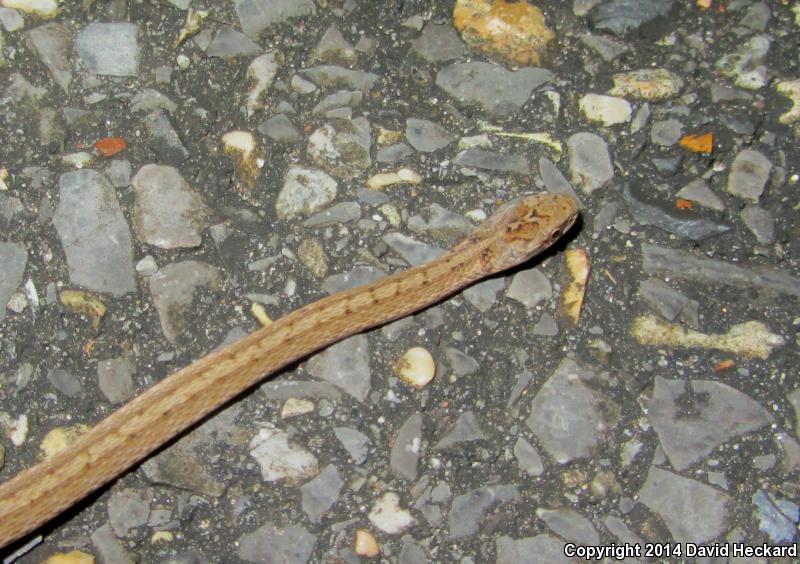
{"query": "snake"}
pixel 516 232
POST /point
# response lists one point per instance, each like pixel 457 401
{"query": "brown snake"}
pixel 516 232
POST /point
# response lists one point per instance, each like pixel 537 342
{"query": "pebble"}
pixel 127 509
pixel 777 517
pixel 280 129
pixel 92 44
pixel 387 515
pixel 427 136
pixel 401 176
pixel 96 238
pixel 280 459
pixel 169 213
pixel 461 363
pixel 438 43
pixel 345 365
pixel 356 444
pixel 698 191
pixel 467 428
pixel 682 264
pixel 607 110
pixel 567 417
pixel 13 260
pixel 45 9
pixel 304 191
pixel 530 288
pixel 790 89
pixel 497 91
pixel 365 544
pixel 115 379
pixel 320 493
pixel 722 414
pixel 569 525
pixel 666 132
pixel 622 16
pixel 468 510
pixel 515 34
pixel 692 511
pixel 72 557
pixel 416 367
pixel 528 457
pixel 413 252
pixel 331 76
pixel 749 175
pixel 52 43
pixel 539 549
pixel 489 160
pixel 333 48
pixel 61 438
pixel 746 64
pixel 290 544
pixel 483 295
pixel 589 162
pixel 647 84
pixel 404 456
pixel 760 222
pixel 342 148
pixel 163 139
pixel 607 48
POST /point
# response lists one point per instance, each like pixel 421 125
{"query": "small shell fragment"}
pixel 79 301
pixel 416 367
pixel 577 275
pixel 402 176
pixel 366 544
pixel 260 313
pixel 60 438
pixel 294 407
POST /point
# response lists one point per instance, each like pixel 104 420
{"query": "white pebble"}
pixel 295 406
pixel 416 367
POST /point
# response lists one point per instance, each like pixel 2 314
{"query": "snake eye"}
pixel 555 234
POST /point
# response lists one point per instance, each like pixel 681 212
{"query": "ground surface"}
pixel 667 413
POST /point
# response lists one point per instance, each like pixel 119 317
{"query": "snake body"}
pixel 515 233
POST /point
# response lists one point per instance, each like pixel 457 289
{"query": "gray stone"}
pixel 345 365
pixel 356 444
pixel 393 153
pixel 438 43
pixel 749 174
pixel 333 77
pixel 109 548
pixel 681 264
pixel 412 553
pixel 169 213
pixel 570 525
pixel 608 49
pixel 692 511
pixel 530 288
pixel 498 91
pixel 589 161
pixel 546 326
pixel 52 43
pixel 342 147
pixel 541 549
pixel 64 382
pixel 304 192
pixel 358 276
pixel 756 17
pixel 404 456
pixel 150 100
pixel 554 181
pixel 776 517
pixel 93 42
pixel 698 191
pixel 320 493
pixel 466 429
pixel 489 160
pixel 467 510
pixel 127 509
pixel 760 222
pixel 280 128
pixel 257 15
pixel 343 212
pixel 718 413
pixel 427 136
pixel 280 458
pixel 414 252
pixel 570 419
pixel 746 65
pixel 119 173
pixel 483 295
pixel 115 379
pixel 271 545
pixel 13 260
pixel 229 42
pixel 528 457
pixel 164 140
pixel 622 16
pixel 722 93
pixel 11 19
pixel 281 390
pixel 661 297
pixel 173 289
pixel 677 222
pixel 339 99
pixel 333 47
pixel 94 233
pixel 666 132
pixel 461 363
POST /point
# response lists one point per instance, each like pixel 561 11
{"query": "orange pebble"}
pixel 110 146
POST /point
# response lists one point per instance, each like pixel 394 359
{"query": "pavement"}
pixel 174 174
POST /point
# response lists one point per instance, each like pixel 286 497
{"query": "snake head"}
pixel 523 228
